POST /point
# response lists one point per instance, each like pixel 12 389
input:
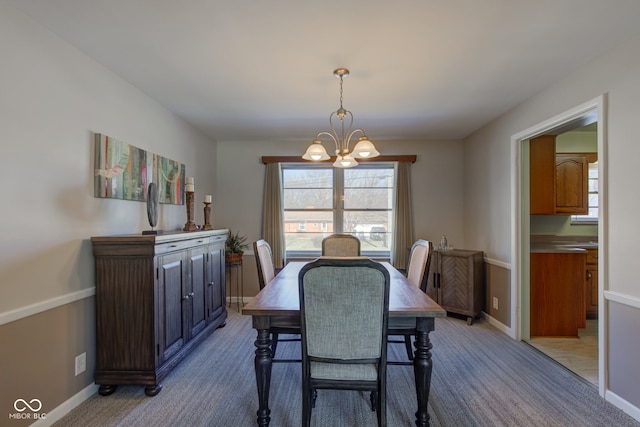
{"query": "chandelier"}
pixel 345 158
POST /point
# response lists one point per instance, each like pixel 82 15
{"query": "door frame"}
pixel 520 224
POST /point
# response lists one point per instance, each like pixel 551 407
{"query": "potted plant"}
pixel 235 246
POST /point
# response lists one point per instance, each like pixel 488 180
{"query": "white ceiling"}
pixel 263 69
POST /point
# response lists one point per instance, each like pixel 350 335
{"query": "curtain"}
pixel 272 229
pixel 403 233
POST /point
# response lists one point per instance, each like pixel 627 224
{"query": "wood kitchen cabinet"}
pixel 157 297
pixel 557 299
pixel 572 191
pixel 591 287
pixel 558 182
pixel 456 281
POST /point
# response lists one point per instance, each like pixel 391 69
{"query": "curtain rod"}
pixel 297 159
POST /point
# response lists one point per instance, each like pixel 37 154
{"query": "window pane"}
pixel 372 228
pixel 307 188
pixel 304 230
pixel 307 178
pixel 368 188
pixel 308 198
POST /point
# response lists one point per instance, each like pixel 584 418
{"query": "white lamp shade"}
pixel 365 149
pixel 344 162
pixel 316 152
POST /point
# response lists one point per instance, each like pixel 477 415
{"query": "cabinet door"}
pixel 591 286
pixel 455 284
pixel 592 291
pixel 432 278
pixel 215 281
pixel 197 300
pixel 171 291
pixel 571 184
pixel 542 161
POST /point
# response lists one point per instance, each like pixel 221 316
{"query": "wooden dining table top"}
pixel 280 296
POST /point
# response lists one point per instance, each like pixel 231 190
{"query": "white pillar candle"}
pixel 190 180
pixel 189 188
pixel 207 198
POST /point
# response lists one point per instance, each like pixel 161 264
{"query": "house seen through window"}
pixel 320 200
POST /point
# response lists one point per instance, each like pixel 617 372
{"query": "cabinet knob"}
pixel 191 294
pixel 185 297
pixel 211 283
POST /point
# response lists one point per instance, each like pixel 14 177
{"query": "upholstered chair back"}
pixel 341 245
pixel 419 262
pixel 264 261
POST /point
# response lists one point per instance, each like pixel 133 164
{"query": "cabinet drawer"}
pixel 180 245
pixel 218 239
pixel 592 256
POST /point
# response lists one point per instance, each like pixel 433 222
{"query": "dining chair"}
pixel 417 271
pixel 344 314
pixel 266 272
pixel 341 245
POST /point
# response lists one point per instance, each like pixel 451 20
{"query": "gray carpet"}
pixel 481 377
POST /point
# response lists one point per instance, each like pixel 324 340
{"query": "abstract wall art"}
pixel 123 171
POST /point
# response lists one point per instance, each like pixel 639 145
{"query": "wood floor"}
pixel 580 355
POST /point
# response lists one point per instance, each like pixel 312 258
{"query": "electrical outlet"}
pixel 81 363
pixel 495 303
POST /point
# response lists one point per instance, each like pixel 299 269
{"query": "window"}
pixel 330 200
pixel 593 200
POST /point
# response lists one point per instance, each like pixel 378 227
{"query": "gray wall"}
pixel 53 99
pixel 487 188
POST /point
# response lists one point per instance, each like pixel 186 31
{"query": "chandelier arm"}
pixel 333 138
pixel 341 142
pixel 352 134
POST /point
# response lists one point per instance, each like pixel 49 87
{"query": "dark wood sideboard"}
pixel 157 297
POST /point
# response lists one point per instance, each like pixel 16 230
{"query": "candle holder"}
pixel 207 217
pixel 190 225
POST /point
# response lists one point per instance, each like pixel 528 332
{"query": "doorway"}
pixel 576 234
pixel 522 225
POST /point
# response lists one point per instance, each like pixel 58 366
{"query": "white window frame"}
pixel 589 219
pixel 338 206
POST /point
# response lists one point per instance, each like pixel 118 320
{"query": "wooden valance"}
pixel 298 159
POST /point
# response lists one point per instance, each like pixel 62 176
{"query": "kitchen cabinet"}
pixel 572 174
pixel 591 287
pixel 157 297
pixel 456 281
pixel 558 182
pixel 557 297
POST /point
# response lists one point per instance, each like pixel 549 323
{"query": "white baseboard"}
pixel 498 325
pixel 621 403
pixel 66 407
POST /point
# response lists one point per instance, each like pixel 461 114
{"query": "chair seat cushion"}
pixel 335 371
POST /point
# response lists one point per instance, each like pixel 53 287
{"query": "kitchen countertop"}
pixel 548 248
pixel 562 244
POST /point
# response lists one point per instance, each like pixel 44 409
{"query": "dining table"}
pixel 410 311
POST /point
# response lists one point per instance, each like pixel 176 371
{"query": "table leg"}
pixel 263 362
pixel 422 366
